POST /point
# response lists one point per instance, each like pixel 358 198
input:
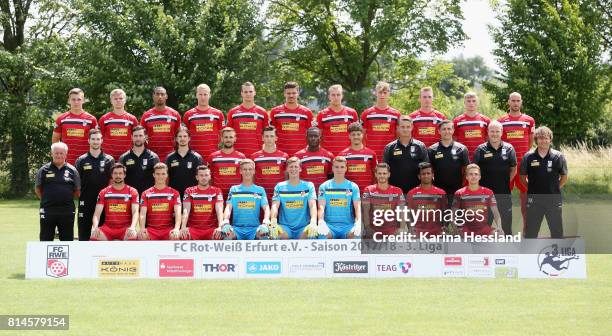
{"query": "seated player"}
pixel 381 196
pixel 202 209
pixel 339 205
pixel 244 203
pixel 295 199
pixel 427 197
pixel 479 199
pixel 160 209
pixel 119 202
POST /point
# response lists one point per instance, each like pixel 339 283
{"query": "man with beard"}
pixel 183 162
pixel 315 160
pixel 202 209
pixel 161 122
pixel 139 161
pixel 225 163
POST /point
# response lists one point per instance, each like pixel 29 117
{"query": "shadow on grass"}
pixel 17 276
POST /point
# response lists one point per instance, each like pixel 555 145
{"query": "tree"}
pixel 343 41
pixel 551 52
pixel 473 69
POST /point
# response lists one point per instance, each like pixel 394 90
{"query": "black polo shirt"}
pixel 447 165
pixel 404 162
pixel 58 186
pixel 139 172
pixel 95 174
pixel 182 170
pixel 543 172
pixel 495 166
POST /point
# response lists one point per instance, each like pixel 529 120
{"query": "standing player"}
pixel 291 120
pixel 294 205
pixel 204 123
pixel 119 202
pixel 225 163
pixel 116 126
pixel 94 169
pixel 270 163
pixel 248 120
pixel 139 161
pixel 479 199
pixel 404 155
pixel 183 162
pixel 339 205
pixel 360 159
pixel 544 172
pixel 518 131
pixel 471 126
pixel 380 120
pixel 244 203
pixel 161 122
pixel 449 159
pixel 72 127
pixel 160 209
pixel 334 121
pixel 202 209
pixel 315 160
pixel 431 200
pixel 382 196
pixel 497 162
pixel 426 119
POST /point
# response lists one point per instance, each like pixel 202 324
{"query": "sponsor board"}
pixel 350 267
pixel 57 260
pixel 393 267
pixel 480 266
pixel 176 268
pixel 220 268
pixel 118 268
pixel 452 266
pixel 306 267
pixel 263 267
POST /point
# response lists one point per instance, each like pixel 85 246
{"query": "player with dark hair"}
pixel 202 209
pixel 248 120
pixel 380 120
pixel 291 120
pixel 270 163
pixel 315 160
pixel 334 120
pixel 161 122
pixel 360 159
pixel 160 209
pixel 225 163
pixel 427 198
pixel 139 161
pixel 381 196
pixel 183 162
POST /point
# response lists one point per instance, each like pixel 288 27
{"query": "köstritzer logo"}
pixel 554 260
pixel 263 267
pixel 350 267
pixel 57 260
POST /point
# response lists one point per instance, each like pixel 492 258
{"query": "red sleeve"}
pixel 185 118
pixel 134 120
pixel 101 124
pixel 134 196
pixel 310 116
pixel 177 124
pixel 230 121
pixel 319 118
pixel 176 198
pixel 409 201
pixel 100 200
pixel 94 122
pixel 57 128
pixel 273 113
pixel 187 196
pixel 142 118
pixel 219 195
pixel 266 117
pixel 221 119
pixel 355 115
pixel 364 114
pixel 375 159
pixel 143 199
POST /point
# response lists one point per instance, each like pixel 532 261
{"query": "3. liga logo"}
pixel 554 260
pixel 57 260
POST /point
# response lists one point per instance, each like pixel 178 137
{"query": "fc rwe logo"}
pixel 57 260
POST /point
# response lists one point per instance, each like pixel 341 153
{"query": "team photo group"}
pixel 290 174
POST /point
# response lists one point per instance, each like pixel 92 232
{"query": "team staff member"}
pixel 249 120
pixel 204 123
pixel 116 126
pixel 381 196
pixel 380 120
pixel 225 163
pixel 334 120
pixel 426 119
pixel 497 162
pixel 161 122
pixel 72 127
pixel 183 162
pixel 139 161
pixel 291 120
pixel 315 160
pixel 202 209
pixel 404 155
pixel 427 197
pixel 57 183
pixel 119 202
pixel 544 172
pixel 448 159
pixel 360 159
pixel 471 126
pixel 270 163
pixel 160 209
pixel 94 169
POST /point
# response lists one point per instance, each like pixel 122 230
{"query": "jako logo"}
pixel 263 267
pixel 350 267
pixel 554 261
pixel 219 268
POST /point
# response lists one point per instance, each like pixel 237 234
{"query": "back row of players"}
pixel 160 129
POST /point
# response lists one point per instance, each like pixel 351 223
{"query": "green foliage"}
pixel 473 69
pixel 552 53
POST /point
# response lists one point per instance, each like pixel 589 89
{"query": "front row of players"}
pixel 159 215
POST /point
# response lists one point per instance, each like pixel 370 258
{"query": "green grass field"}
pixel 328 306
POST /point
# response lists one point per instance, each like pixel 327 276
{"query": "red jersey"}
pixel 335 128
pixel 425 126
pixel 517 132
pixel 378 199
pixel 161 128
pixel 291 126
pixel 471 131
pixel 204 128
pixel 117 133
pixel 118 205
pixel 225 169
pixel 316 166
pixel 380 127
pixel 160 206
pixel 269 169
pixel 434 198
pixel 74 129
pixel 479 200
pixel 360 166
pixel 203 214
pixel 249 125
